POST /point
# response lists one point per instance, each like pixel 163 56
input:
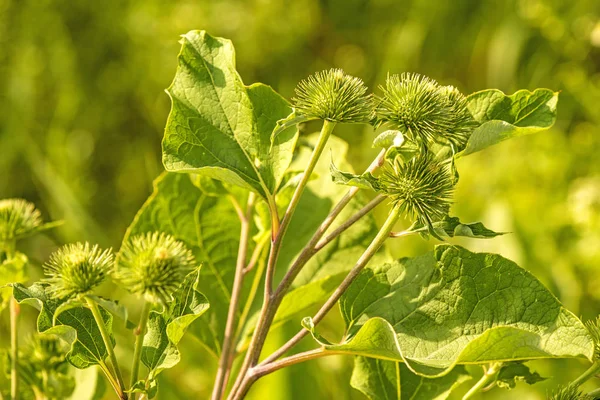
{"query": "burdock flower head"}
pixel 422 187
pixel 153 265
pixel 17 218
pixel 333 96
pixel 77 269
pixel 424 111
pixel 462 121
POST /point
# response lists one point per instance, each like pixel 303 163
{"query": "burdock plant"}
pixel 415 320
pixel 152 265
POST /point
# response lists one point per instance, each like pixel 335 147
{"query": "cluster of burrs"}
pixel 152 265
pixel 424 114
pixel 424 111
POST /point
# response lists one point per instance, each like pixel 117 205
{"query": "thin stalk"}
pixel 326 131
pixel 309 249
pixel 371 250
pixel 488 377
pixel 271 303
pixel 589 373
pixel 139 333
pixel 109 346
pixel 111 379
pixel 14 348
pixel 260 371
pixel 256 254
pixel 229 336
pixel 253 289
pixel 277 234
pixel 343 227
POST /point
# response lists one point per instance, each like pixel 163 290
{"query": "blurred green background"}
pixel 82 111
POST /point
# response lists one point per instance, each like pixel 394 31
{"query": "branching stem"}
pixel 229 335
pixel 375 245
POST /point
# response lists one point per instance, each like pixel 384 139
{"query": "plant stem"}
pixel 326 130
pixel 139 333
pixel 488 377
pixel 260 371
pixel 224 361
pixel 277 234
pixel 340 229
pixel 377 242
pixel 109 346
pixel 271 303
pixel 590 372
pixel 109 376
pixel 253 288
pixel 14 348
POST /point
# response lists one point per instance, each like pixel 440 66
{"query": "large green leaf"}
pixel 503 117
pixel 455 307
pixel 166 328
pixel 218 126
pixel 210 227
pixel 391 380
pixel 74 325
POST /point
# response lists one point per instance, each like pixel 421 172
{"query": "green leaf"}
pixel 390 380
pixel 514 372
pixel 221 128
pixel 452 227
pixel 362 181
pixel 503 117
pixel 291 120
pixel 74 325
pixel 166 328
pixel 179 208
pixel 116 309
pixel 455 307
pixel 389 138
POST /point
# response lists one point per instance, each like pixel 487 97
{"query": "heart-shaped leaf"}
pixel 221 128
pixel 455 307
pixel 502 117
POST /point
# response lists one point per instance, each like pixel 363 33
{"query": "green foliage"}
pixel 503 117
pixel 74 325
pixel 388 380
pixel 167 327
pixel 219 127
pixel 410 322
pixel 432 312
pixel 514 372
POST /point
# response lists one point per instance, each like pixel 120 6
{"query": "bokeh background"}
pixel 82 111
